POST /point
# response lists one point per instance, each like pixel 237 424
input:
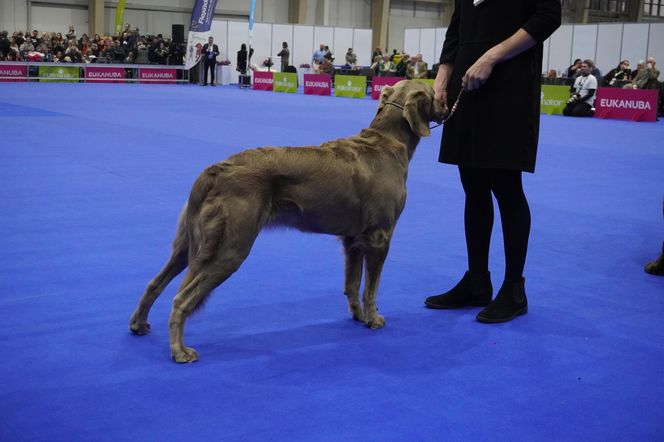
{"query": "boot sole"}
pixel 521 311
pixel 452 307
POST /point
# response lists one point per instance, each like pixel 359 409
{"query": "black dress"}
pixel 497 125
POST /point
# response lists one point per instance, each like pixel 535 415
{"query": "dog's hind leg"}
pixel 354 253
pixel 377 246
pixel 233 246
pixel 138 324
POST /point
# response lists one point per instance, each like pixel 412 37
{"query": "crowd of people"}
pixel 129 46
pixel 587 78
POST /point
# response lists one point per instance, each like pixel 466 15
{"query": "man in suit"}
pixel 210 52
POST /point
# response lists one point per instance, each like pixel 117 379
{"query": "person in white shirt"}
pixel 583 97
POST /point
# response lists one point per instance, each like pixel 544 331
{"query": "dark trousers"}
pixel 506 186
pixel 208 65
pixel 578 109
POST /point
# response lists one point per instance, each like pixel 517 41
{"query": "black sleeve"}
pixel 590 93
pixel 545 20
pixel 451 45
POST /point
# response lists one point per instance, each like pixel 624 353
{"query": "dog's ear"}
pixel 384 96
pixel 416 112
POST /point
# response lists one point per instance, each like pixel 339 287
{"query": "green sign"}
pixel 59 73
pixel 284 82
pixel 553 99
pixel 354 86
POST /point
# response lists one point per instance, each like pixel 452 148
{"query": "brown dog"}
pixel 354 188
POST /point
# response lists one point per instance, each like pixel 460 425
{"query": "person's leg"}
pixel 213 67
pixel 511 299
pixel 475 287
pixel 515 218
pixel 205 72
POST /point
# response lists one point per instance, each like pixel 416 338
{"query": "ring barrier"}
pixel 628 104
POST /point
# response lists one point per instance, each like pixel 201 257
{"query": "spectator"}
pixel 285 55
pixel 351 58
pixel 417 68
pixel 403 65
pixel 242 61
pixel 326 67
pixel 34 39
pixel 385 67
pixel 581 102
pixel 593 69
pixel 71 33
pixel 319 54
pixel 618 74
pixel 26 47
pixel 328 54
pixel 573 70
pixel 377 53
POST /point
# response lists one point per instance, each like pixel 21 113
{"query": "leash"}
pixel 454 108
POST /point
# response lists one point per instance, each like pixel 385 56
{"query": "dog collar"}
pixel 454 108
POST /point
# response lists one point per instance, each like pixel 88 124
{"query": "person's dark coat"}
pixel 214 53
pixel 497 125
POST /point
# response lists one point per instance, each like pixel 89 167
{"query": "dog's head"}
pixel 416 99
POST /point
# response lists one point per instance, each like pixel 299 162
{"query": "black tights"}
pixel 478 218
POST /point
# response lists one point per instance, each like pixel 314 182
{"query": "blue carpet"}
pixel 94 176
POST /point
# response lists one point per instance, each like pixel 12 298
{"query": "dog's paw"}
pixel 139 328
pixel 376 322
pixel 185 355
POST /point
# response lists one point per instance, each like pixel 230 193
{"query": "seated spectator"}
pixel 417 68
pixel 34 38
pixel 26 47
pixel 618 74
pixel 89 56
pixel 593 69
pixel 377 53
pixel 402 66
pixel 583 98
pixel 142 52
pixel 646 75
pixel 573 70
pixel 385 67
pixel 351 59
pixel 328 54
pixel 377 60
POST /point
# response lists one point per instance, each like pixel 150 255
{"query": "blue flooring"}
pixel 93 178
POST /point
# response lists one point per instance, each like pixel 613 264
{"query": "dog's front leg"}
pixel 377 246
pixel 354 252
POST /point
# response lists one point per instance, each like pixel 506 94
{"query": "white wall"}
pixel 606 44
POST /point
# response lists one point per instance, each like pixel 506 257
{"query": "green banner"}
pixel 59 73
pixel 284 82
pixel 119 16
pixel 553 99
pixel 354 86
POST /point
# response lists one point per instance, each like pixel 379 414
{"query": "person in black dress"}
pixel 493 52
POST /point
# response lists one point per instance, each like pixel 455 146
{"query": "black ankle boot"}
pixel 510 302
pixel 656 267
pixel 472 291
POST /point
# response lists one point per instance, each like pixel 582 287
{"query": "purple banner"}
pixel 202 15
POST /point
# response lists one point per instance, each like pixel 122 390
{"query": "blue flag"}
pixel 201 22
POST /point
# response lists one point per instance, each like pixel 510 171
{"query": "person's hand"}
pixel 477 74
pixel 440 85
